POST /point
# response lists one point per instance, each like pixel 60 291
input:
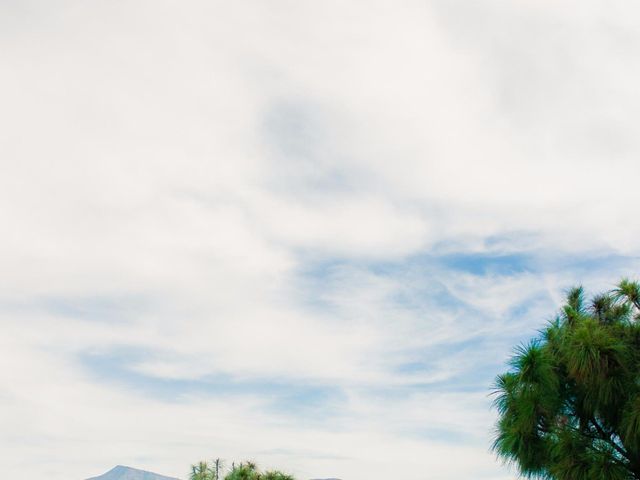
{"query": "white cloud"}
pixel 263 191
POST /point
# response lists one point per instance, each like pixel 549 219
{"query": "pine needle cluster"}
pixel 569 406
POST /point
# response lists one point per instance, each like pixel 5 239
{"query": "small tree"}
pixel 249 471
pixel 569 406
pixel 244 471
pixel 203 471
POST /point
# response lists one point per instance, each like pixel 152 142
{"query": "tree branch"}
pixel 607 438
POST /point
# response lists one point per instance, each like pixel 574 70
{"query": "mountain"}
pixel 127 473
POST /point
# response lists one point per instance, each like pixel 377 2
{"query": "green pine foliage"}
pixel 202 471
pixel 569 405
pixel 242 471
pixel 249 471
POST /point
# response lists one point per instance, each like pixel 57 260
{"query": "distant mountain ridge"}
pixel 122 472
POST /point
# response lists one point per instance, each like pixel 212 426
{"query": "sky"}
pixel 307 233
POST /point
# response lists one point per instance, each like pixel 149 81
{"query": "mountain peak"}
pixel 122 472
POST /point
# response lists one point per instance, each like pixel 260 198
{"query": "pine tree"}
pixel 569 406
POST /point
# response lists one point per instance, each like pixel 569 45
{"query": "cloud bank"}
pixel 307 233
